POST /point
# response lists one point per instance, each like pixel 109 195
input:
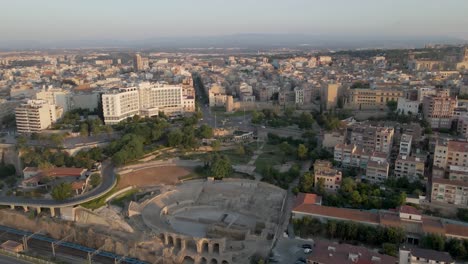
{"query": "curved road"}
pixel 108 182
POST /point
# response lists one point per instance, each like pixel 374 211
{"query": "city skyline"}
pixel 108 21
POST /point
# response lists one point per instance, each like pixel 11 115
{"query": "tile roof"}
pixel 338 213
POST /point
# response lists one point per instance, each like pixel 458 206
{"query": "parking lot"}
pixel 288 250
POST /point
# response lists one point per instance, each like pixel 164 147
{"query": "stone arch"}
pixel 170 241
pixel 191 245
pixel 204 247
pixel 216 248
pixel 203 260
pixel 188 260
pixel 178 243
pixel 214 261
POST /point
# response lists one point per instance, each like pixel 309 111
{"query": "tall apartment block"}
pixel 146 100
pixel 438 109
pixel 34 116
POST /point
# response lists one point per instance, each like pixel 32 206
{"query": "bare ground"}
pixel 152 176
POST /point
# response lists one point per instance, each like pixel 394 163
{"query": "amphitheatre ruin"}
pixel 211 222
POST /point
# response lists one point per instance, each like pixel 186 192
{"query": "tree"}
pixel 462 214
pixel 390 249
pixel 205 131
pixel 331 228
pixel 286 148
pixel 220 167
pixel 62 191
pixel 240 150
pixel 84 130
pixel 320 186
pixel 307 182
pixel 395 235
pixel 95 179
pixel 216 145
pixel 302 151
pixel 305 121
pixel 175 138
pixel 392 105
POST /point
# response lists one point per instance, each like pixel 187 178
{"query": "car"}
pixel 307 250
pixel 309 246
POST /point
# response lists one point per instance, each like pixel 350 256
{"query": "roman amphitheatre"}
pixel 209 221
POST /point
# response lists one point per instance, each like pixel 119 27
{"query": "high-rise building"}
pixel 137 62
pixel 146 100
pixel 438 109
pixel 330 95
pixel 56 96
pixel 450 153
pixel 34 116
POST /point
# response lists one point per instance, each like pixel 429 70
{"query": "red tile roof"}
pixel 338 213
pixel 406 209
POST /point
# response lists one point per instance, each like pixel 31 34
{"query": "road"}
pixel 10 260
pixel 108 182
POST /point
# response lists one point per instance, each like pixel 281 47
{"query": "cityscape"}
pixel 125 137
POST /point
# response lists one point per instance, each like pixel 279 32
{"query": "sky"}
pixel 56 20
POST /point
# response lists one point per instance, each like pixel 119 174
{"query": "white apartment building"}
pixel 120 104
pixel 56 96
pixel 406 106
pixel 405 144
pixel 34 116
pixel 147 100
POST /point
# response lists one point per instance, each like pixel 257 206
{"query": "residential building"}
pixel 137 62
pixel 451 152
pixel 462 125
pixel 325 252
pixel 146 99
pixel 372 98
pixel 351 156
pixel 450 191
pixel 120 104
pixel 324 172
pixel 423 256
pixel 34 116
pixel 410 167
pixel 333 138
pixel 299 95
pixel 377 171
pixel 405 145
pixel 56 96
pixel 371 138
pixel 458 173
pixel 438 109
pixel 406 106
pixel 330 95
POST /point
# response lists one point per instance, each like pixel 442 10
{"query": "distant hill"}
pixel 251 41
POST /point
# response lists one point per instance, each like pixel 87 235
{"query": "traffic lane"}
pixel 11 260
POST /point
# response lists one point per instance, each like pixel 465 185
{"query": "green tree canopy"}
pixel 62 191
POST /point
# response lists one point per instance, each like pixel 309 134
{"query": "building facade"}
pixel 34 116
pixel 410 167
pixel 438 109
pixel 449 191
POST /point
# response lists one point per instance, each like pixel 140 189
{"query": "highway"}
pixel 108 182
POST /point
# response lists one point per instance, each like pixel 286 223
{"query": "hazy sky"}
pixel 140 19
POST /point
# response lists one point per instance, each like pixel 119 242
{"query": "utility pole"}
pixel 94 253
pixel 26 239
pixel 58 243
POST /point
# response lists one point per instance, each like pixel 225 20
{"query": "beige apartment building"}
pixel 351 155
pixel 448 191
pixel 371 138
pixel 410 167
pixel 330 92
pixel 372 98
pixel 439 109
pixel 323 170
pixel 34 116
pixel 458 173
pixel 449 153
pixel 377 171
pixel 120 104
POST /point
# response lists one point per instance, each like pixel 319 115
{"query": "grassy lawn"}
pixel 121 199
pixel 272 155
